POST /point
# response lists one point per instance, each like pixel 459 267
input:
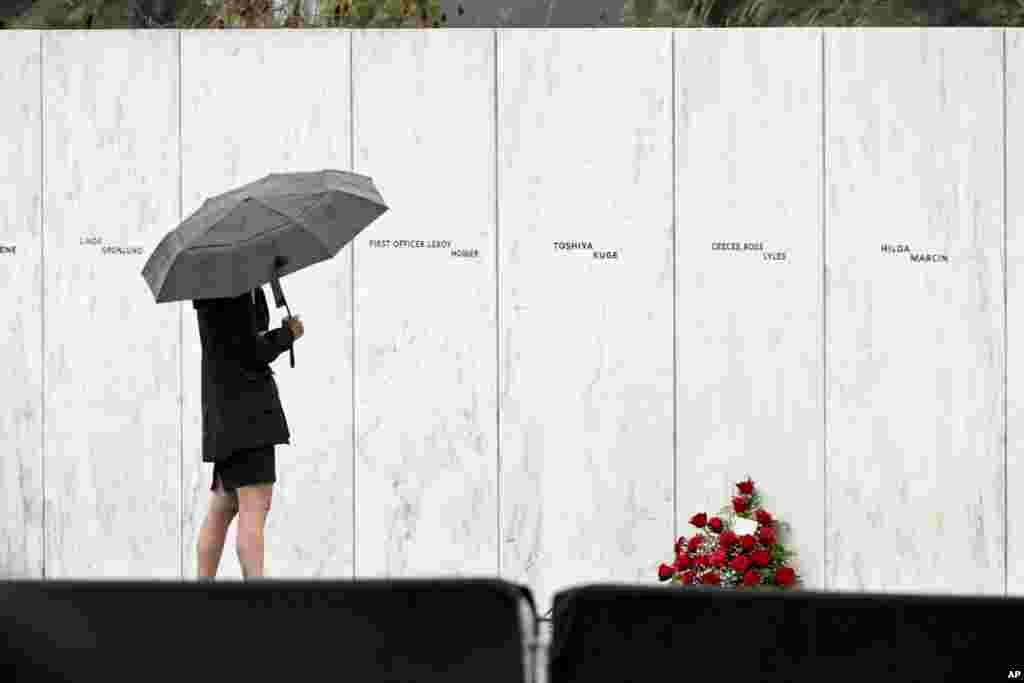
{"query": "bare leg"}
pixel 223 508
pixel 253 507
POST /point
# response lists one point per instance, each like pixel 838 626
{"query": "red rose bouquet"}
pixel 743 550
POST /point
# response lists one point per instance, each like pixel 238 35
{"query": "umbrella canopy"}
pixel 277 225
pixel 242 239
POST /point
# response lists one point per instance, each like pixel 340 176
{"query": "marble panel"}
pixel 1014 306
pixel 21 401
pixel 915 353
pixel 425 306
pixel 250 107
pixel 749 273
pixel 585 313
pixel 111 363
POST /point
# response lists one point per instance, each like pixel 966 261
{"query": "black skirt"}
pixel 245 467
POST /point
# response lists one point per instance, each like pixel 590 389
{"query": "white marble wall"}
pixel 749 323
pixel 585 154
pixel 1014 44
pixel 512 412
pixel 21 400
pixel 249 108
pixel 426 471
pixel 915 467
pixel 112 475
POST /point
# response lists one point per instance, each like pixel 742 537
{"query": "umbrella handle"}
pixel 279 300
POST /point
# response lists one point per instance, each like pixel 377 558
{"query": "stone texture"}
pixel 426 347
pixel 112 413
pixel 586 368
pixel 21 375
pixel 749 322
pixel 915 349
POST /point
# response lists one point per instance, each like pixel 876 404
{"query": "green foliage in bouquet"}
pixel 740 548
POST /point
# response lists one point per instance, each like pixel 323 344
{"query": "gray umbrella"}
pixel 238 241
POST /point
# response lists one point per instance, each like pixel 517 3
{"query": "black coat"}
pixel 241 405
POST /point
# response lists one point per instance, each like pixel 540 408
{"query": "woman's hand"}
pixel 294 324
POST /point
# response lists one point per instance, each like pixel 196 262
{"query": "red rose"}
pixel 784 576
pixel 751 578
pixel 712 579
pixel 689 576
pixel 746 487
pixel 747 541
pixel 682 562
pixel 665 572
pixel 740 563
pixel 702 560
pixel 718 558
pixel 763 518
pixel 680 544
pixel 766 535
pixel 699 520
pixel 695 543
pixel 739 504
pixel 760 558
pixel 727 539
pixel 716 524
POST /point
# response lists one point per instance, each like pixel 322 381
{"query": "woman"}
pixel 242 422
